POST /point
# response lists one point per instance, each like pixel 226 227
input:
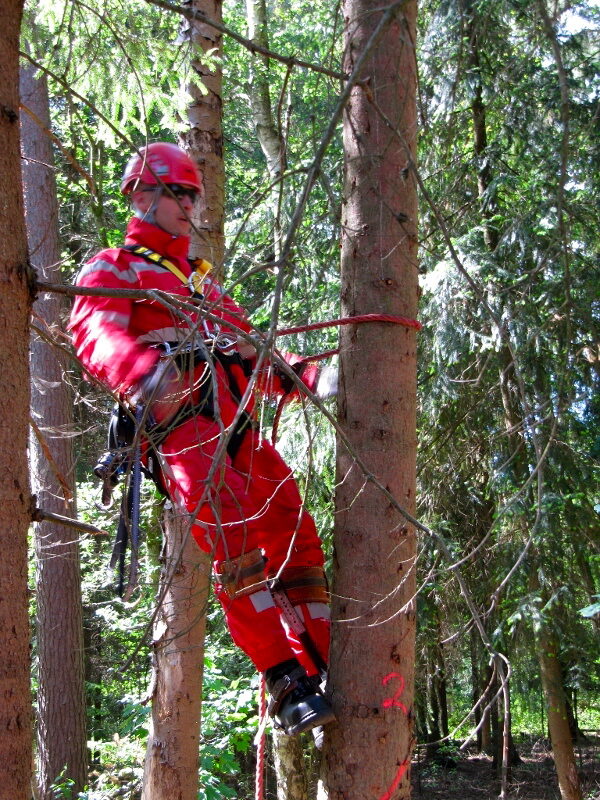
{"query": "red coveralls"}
pixel 252 502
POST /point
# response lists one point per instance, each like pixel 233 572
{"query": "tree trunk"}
pixel 556 709
pixel 288 752
pixel 61 728
pixel 367 754
pixel 15 499
pixel 260 100
pixel 478 113
pixel 290 771
pixel 204 139
pixel 474 641
pixel 171 768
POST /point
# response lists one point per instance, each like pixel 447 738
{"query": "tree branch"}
pixel 198 16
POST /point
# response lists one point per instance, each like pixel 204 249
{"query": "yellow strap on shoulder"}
pixel 200 270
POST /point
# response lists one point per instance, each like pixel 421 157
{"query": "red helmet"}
pixel 161 162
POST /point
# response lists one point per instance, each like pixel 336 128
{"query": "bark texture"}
pixel 290 769
pixel 171 768
pixel 61 723
pixel 204 139
pixel 367 754
pixel 15 499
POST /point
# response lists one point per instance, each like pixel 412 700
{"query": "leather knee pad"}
pixel 242 575
pixel 305 585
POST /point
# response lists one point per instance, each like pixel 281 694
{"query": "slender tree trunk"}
pixel 61 728
pixel 290 768
pixel 556 709
pixel 288 752
pixel 15 498
pixel 171 769
pixel 478 112
pixel 433 701
pixel 474 641
pixel 438 676
pixel 367 754
pixel 204 139
pixel 260 99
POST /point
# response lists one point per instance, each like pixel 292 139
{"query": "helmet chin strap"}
pixel 150 214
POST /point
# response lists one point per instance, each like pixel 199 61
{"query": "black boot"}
pixel 297 704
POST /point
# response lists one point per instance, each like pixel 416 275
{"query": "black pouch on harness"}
pixel 113 463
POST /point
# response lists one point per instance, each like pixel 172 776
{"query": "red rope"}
pixel 260 749
pixel 408 323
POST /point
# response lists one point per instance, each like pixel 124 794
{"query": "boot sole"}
pixel 311 721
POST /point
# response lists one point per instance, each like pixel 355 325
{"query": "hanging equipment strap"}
pixel 293 619
pixel 128 531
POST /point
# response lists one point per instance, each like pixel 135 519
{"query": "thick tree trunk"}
pixel 171 769
pixel 367 754
pixel 204 139
pixel 15 498
pixel 61 728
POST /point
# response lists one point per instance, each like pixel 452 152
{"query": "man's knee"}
pixel 242 575
pixel 305 585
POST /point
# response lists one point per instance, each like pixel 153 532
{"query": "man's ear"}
pixel 141 201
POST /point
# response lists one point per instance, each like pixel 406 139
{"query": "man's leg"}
pixel 226 525
pixel 254 493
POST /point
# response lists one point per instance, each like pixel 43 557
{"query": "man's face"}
pixel 173 210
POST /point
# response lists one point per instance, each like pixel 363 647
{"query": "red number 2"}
pixel 394 702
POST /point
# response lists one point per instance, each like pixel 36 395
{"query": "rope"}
pixel 406 321
pixel 260 738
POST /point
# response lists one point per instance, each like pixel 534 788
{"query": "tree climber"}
pixel 192 373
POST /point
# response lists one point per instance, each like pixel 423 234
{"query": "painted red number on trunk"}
pixel 395 783
pixel 394 702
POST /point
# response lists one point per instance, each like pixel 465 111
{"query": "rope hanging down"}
pixel 260 740
pixel 405 321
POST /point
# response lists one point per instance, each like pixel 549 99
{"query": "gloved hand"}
pixel 327 383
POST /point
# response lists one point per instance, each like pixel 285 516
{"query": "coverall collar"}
pixel 141 232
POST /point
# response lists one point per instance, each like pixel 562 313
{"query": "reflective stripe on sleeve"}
pixel 127 276
pixel 115 317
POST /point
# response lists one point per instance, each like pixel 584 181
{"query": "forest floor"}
pixel 473 778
